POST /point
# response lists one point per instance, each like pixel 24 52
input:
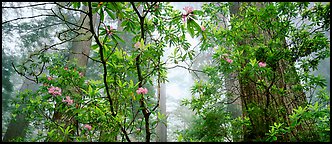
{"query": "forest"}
pixel 166 71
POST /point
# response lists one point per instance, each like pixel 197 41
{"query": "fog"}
pixel 179 83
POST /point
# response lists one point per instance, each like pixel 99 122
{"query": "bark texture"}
pixel 78 55
pixel 264 108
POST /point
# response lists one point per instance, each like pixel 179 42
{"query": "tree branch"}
pixel 101 58
pixel 26 18
pixel 62 19
pixel 23 74
pixel 149 8
pixel 26 6
pixel 88 57
pixel 68 8
pixel 185 68
pixel 137 12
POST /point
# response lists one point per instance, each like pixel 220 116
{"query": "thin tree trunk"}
pixel 104 135
pixel 161 128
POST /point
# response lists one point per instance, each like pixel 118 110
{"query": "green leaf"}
pixel 142 44
pixel 117 38
pixel 99 111
pixel 196 26
pixel 253 61
pixel 90 90
pixel 61 129
pixel 191 54
pixel 46 97
pixel 184 57
pixel 95 46
pixel 274 138
pixel 67 130
pixel 76 5
pixel 50 133
pixel 110 14
pixel 101 13
pixel 198 12
pixel 120 83
pixel 190 28
pixel 180 138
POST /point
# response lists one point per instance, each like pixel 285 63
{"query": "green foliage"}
pixel 257 34
pixel 315 117
pixel 214 127
pixel 260 48
pixel 107 101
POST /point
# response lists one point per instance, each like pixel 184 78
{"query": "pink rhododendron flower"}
pixel 203 28
pixel 51 90
pixel 137 45
pixel 57 91
pixel 111 28
pixel 68 100
pixel 87 126
pixel 142 91
pixel 49 78
pixel 188 9
pixel 229 60
pixel 54 91
pixel 262 64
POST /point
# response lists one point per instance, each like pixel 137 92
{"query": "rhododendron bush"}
pixel 258 80
pixel 118 102
pixel 253 58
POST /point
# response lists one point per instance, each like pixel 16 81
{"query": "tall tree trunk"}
pixel 78 54
pixel 267 104
pixel 232 84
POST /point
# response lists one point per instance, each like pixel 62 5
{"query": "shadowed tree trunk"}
pixel 232 84
pixel 267 105
pixel 19 124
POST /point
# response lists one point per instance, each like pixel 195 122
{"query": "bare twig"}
pixel 148 10
pixel 88 57
pixel 185 68
pixel 78 26
pixel 26 6
pixel 23 74
pixel 43 15
pixel 68 8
